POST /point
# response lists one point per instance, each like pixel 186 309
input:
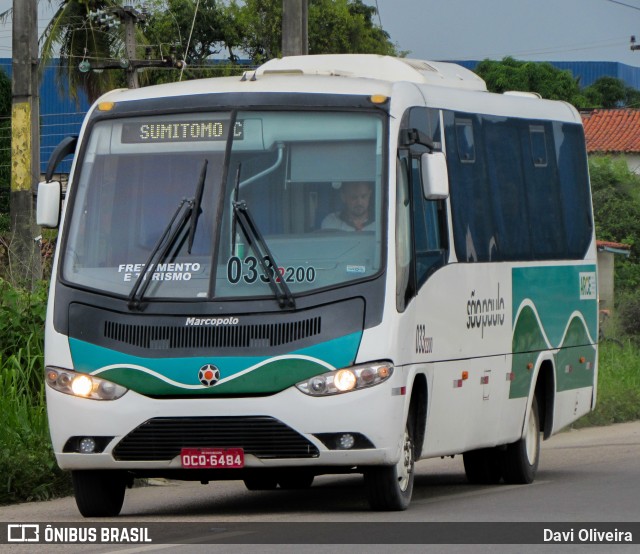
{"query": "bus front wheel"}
pixel 389 488
pixel 521 457
pixel 99 493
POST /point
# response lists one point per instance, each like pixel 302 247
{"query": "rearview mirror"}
pixel 48 204
pixel 435 177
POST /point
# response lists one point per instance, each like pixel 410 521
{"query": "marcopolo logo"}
pixel 588 286
pixel 485 312
pixel 211 321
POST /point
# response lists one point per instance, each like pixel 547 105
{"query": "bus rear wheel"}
pixel 521 457
pixel 389 488
pixel 99 493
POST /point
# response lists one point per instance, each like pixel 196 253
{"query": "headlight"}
pixel 347 379
pixel 82 385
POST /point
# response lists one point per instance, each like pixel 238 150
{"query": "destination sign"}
pixel 179 131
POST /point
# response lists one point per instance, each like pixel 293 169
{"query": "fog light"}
pixel 346 441
pixel 87 445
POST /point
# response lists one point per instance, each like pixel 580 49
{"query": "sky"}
pixel 538 30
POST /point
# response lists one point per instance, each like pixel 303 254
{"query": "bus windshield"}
pixel 311 183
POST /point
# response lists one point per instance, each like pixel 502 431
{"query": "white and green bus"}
pixel 206 323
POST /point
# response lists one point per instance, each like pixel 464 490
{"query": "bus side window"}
pixel 428 219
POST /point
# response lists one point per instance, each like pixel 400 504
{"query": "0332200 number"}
pixel 250 271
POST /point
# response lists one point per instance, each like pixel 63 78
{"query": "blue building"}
pixel 60 116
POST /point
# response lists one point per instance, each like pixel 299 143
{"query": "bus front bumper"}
pixel 288 429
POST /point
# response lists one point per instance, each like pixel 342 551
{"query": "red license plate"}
pixel 207 458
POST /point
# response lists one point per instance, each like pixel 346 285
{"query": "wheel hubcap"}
pixel 405 464
pixel 531 441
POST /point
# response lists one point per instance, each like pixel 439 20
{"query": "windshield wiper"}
pixel 195 210
pixel 187 210
pixel 160 250
pixel 256 241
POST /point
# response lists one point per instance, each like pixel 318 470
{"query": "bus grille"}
pixel 163 438
pixel 166 337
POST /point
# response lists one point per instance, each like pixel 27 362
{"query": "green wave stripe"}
pixel 270 377
pixel 239 374
pixel 546 301
pixel 574 359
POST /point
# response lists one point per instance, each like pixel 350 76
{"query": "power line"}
pixel 193 23
pixel 625 5
pixel 379 16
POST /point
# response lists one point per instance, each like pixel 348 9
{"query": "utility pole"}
pixel 25 142
pixel 295 37
pixel 129 17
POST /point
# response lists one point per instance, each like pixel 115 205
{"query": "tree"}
pixel 609 92
pixel 77 37
pixel 541 77
pixel 606 92
pixel 214 31
pixel 616 207
pixel 346 27
pixel 221 30
pixel 335 26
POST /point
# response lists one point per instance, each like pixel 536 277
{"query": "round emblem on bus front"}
pixel 209 375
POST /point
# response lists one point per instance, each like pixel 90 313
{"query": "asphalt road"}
pixel 585 476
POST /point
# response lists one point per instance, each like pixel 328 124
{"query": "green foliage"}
pixel 215 29
pixel 616 209
pixel 618 385
pixel 606 92
pixel 22 316
pixel 556 84
pixel 221 30
pixel 27 466
pixel 74 36
pixel 346 27
pixel 543 78
pixel 629 313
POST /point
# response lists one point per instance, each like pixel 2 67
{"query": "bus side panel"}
pixel 457 329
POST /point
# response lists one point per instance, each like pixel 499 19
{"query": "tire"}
pixel 483 466
pixel 389 488
pixel 99 493
pixel 522 457
pixel 296 480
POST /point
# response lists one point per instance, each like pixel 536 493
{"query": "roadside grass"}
pixel 618 398
pixel 27 466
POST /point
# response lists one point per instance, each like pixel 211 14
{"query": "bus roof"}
pixel 443 85
pixel 373 66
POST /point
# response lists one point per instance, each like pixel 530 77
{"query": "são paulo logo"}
pixel 209 375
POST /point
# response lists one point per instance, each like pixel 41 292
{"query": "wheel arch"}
pixel 418 412
pixel 544 393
